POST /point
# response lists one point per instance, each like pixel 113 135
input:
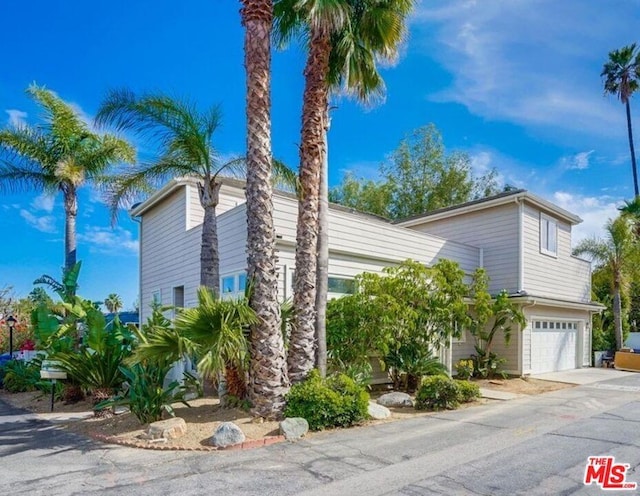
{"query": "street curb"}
pixel 251 444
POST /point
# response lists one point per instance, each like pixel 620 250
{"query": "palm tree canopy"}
pixel 363 34
pixel 113 302
pixel 183 135
pixel 621 72
pixel 59 154
pixel 619 251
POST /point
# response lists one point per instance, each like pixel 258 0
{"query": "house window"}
pixel 548 235
pixel 552 325
pixel 341 285
pixel 233 285
pixel 156 297
pixel 178 297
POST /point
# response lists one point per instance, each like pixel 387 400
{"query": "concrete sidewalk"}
pixel 589 375
pixel 494 394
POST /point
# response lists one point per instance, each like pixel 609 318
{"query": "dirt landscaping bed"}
pixel 205 415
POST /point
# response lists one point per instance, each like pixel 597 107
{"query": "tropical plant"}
pixel 336 401
pixel 464 368
pixel 619 253
pixel 402 316
pixel 113 302
pixel 268 372
pixel 487 317
pixel 344 40
pixel 62 154
pixel 213 332
pixel 467 391
pixel 438 392
pixel 621 75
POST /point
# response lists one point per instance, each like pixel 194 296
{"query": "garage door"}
pixel 553 345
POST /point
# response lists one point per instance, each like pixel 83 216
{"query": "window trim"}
pixel 545 222
pixel 154 293
pixel 343 278
pixel 237 291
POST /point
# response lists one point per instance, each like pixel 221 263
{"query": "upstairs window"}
pixel 548 235
pixel 233 285
pixel 341 285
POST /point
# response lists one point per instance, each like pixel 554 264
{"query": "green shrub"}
pixel 333 402
pixel 464 368
pixel 468 391
pixel 437 392
pixel 20 376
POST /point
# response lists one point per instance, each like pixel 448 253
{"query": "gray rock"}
pixel 378 412
pixel 166 429
pixel 227 434
pixel 294 428
pixel 396 399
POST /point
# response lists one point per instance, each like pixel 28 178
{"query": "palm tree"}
pixel 62 154
pixel 213 332
pixel 619 253
pixel 346 37
pixel 621 74
pixel 184 136
pixel 113 302
pixel 268 372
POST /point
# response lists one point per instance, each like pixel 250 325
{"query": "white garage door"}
pixel 553 345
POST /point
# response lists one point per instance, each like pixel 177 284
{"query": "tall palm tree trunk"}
pixel 632 149
pixel 209 256
pixel 301 358
pixel 322 287
pixel 268 381
pixel 617 315
pixel 71 215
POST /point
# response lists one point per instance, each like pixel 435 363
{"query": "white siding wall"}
pixel 564 276
pixel 370 244
pixel 495 230
pixel 230 197
pixel 169 255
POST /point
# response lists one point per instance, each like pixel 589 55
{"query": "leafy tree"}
pixel 403 316
pixel 619 253
pixel 61 154
pixel 419 177
pixel 268 373
pixel 344 38
pixel 621 73
pixel 488 317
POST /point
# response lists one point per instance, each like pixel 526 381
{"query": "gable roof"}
pixel 503 198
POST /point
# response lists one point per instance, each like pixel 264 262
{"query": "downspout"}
pixel 138 220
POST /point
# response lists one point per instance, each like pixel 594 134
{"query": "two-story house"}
pixel 523 241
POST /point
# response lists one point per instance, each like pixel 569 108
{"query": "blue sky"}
pixel 515 84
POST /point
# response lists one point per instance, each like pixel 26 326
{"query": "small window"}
pixel 156 297
pixel 341 285
pixel 242 281
pixel 228 284
pixel 537 324
pixel 178 296
pixel 548 235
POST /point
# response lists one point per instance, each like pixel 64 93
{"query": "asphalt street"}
pixel 535 445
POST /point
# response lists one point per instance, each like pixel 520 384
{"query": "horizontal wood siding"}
pixel 232 239
pixel 230 197
pixel 495 230
pixel 564 276
pixel 378 242
pixel 169 255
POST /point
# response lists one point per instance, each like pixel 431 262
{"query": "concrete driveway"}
pixel 588 375
pixel 535 445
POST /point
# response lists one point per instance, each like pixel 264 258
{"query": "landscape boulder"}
pixel 396 399
pixel 378 412
pixel 294 428
pixel 227 434
pixel 166 429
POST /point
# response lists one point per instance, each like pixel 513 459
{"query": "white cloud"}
pixel 579 161
pixel 43 202
pixel 106 241
pixel 17 118
pixel 595 211
pixel 531 63
pixel 43 223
